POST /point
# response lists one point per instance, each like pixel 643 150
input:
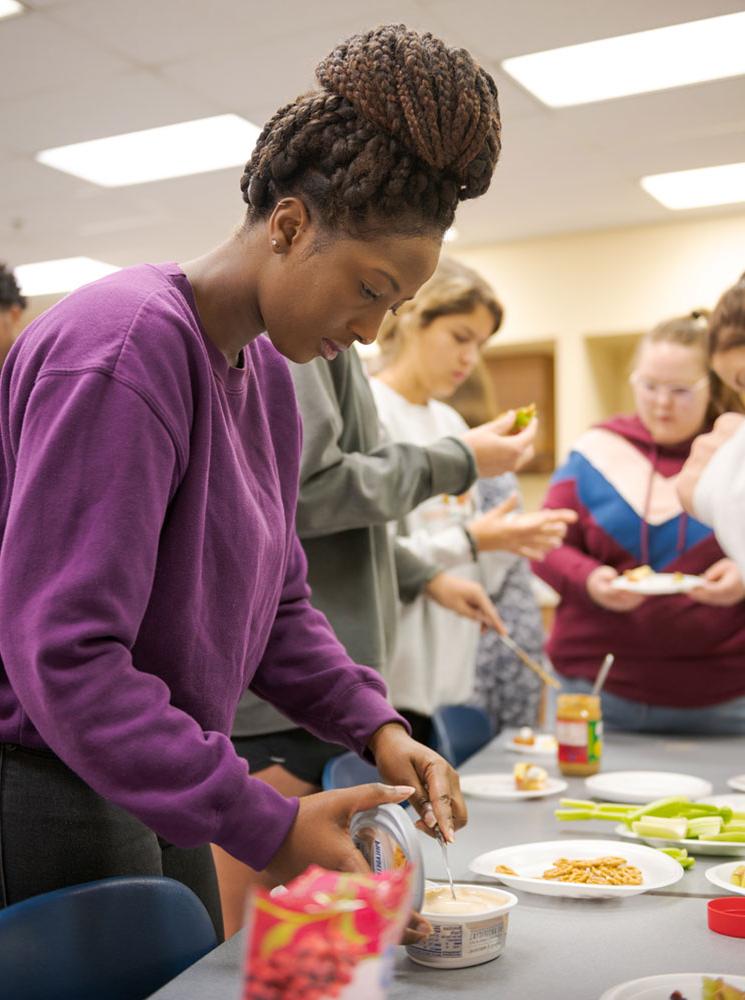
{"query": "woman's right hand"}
pixel 320 833
pixel 531 535
pixel 600 590
pixel 496 450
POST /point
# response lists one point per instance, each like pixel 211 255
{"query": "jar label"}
pixel 580 742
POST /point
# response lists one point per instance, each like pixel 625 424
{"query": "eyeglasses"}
pixel 681 394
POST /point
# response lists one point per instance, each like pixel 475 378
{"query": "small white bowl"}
pixel 463 939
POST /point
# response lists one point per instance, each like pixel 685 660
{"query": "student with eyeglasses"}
pixel 679 658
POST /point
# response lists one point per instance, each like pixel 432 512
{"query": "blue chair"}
pixel 346 770
pixel 117 938
pixel 460 731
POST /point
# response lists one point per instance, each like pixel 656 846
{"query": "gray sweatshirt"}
pixel 352 483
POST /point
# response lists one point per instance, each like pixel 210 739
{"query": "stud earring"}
pixel 275 244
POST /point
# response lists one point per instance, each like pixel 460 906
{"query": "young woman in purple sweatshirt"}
pixel 149 568
pixel 680 659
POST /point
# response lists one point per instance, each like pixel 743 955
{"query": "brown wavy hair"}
pixel 727 321
pixel 401 129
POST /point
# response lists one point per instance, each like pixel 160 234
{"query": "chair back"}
pixel 118 938
pixel 460 731
pixel 346 770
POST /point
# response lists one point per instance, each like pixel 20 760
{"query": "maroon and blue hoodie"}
pixel 671 650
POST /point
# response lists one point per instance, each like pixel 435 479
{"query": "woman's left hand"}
pixel 724 586
pixel 403 761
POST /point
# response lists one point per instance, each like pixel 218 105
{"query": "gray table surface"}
pixel 562 948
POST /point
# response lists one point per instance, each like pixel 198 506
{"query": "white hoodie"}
pixel 434 659
pixel 719 499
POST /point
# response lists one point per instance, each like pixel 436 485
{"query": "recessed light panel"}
pixel 706 186
pixel 157 153
pixel 52 277
pixel 681 54
pixel 10 7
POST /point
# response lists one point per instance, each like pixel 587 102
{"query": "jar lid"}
pixel 727 916
pixel 387 839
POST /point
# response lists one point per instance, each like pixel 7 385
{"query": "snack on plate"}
pixel 717 989
pixel 638 573
pixel 529 777
pixel 329 935
pixel 738 876
pixel 524 736
pixel 523 416
pixel 505 870
pixel 595 871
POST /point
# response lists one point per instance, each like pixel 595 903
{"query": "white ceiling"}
pixel 80 69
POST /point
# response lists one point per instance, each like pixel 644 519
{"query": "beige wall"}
pixel 590 294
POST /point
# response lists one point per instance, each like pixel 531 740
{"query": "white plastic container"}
pixel 388 840
pixel 463 939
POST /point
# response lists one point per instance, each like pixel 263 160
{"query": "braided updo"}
pixel 401 130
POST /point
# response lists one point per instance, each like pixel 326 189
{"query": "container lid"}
pixel 727 916
pixel 387 839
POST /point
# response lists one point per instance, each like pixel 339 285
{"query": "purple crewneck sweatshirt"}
pixel 149 569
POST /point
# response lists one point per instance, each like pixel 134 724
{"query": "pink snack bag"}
pixel 330 935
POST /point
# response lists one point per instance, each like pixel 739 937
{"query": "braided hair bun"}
pixel 401 130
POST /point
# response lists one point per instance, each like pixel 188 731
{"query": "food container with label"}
pixel 468 930
pixel 579 733
pixel 387 839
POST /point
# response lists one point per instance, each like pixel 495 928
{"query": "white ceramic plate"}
pixel 720 876
pixel 658 584
pixel 645 786
pixel 660 987
pixel 732 799
pixel 531 860
pixel 738 782
pixel 545 745
pixel 722 848
pixel 501 787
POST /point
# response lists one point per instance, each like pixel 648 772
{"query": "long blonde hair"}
pixel 452 289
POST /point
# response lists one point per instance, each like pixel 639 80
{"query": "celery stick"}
pixel 661 826
pixel 569 814
pixel 737 836
pixel 661 807
pixel 734 824
pixel 705 826
pixel 577 803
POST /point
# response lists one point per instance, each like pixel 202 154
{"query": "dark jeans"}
pixel 56 831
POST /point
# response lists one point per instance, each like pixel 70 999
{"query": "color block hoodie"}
pixel 671 650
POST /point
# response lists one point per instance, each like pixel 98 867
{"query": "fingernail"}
pixel 430 819
pixel 449 835
pixel 402 790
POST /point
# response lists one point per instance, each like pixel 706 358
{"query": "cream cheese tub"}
pixel 467 930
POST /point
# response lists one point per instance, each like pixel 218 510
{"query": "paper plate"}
pixel 501 787
pixel 531 860
pixel 658 584
pixel 545 745
pixel 738 782
pixel 722 848
pixel 735 801
pixel 720 876
pixel 660 987
pixel 645 786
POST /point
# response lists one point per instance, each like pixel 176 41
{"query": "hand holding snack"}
pixel 723 585
pixel 497 448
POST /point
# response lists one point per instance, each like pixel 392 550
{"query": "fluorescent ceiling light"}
pixel 10 7
pixel 155 153
pixel 710 49
pixel 698 188
pixel 49 277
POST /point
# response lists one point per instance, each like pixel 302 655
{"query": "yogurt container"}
pixel 461 938
pixel 387 839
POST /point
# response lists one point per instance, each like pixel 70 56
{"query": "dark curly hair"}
pixel 10 293
pixel 401 130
